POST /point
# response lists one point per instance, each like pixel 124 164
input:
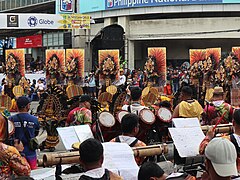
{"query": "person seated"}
pixel 91 158
pixel 130 129
pixel 221 159
pixel 217 108
pixel 135 106
pixel 81 115
pixel 151 171
pixel 188 107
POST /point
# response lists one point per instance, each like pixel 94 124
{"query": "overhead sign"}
pixel 65 6
pixel 86 6
pixel 29 41
pixel 44 21
pixel 120 4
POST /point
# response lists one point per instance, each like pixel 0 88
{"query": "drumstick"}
pixel 219 121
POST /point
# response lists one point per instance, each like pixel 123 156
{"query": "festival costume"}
pixel 215 111
pixel 31 124
pixel 11 161
pixel 79 116
pixel 234 138
pixel 132 142
pixel 189 109
pixel 99 174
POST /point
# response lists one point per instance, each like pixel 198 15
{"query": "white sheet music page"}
pixel 186 122
pixel 119 156
pixel 83 132
pixel 68 136
pixel 187 140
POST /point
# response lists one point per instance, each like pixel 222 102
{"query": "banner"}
pixel 236 52
pixel 157 61
pixel 65 6
pixel 55 63
pixel 15 62
pixel 197 55
pixel 30 41
pixel 44 21
pixel 75 62
pixel 91 5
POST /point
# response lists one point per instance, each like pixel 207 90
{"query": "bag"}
pixel 33 144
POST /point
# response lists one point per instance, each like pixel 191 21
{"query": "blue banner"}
pixel 91 5
pixel 64 6
pixel 231 1
pixel 120 4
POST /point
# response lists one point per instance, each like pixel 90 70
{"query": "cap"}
pixel 218 90
pixel 23 101
pixel 85 98
pixel 222 154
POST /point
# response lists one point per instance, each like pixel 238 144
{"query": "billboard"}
pixel 29 41
pixel 91 5
pixel 44 21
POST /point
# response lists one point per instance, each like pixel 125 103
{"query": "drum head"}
pixel 112 89
pixel 164 115
pixel 145 91
pixel 106 119
pixel 147 116
pixel 120 115
pixel 18 91
pixel 10 127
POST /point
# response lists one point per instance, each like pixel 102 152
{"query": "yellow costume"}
pixel 190 109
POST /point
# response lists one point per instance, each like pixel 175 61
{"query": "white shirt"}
pixel 122 80
pixel 134 108
pixel 95 173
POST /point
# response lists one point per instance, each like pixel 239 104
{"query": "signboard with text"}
pixel 30 41
pixel 44 21
pixel 65 6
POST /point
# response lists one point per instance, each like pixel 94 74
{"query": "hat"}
pixel 222 154
pixel 218 90
pixel 85 98
pixel 23 101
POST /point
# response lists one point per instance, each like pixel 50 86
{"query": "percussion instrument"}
pixel 11 128
pixel 5 102
pixel 221 128
pixel 120 115
pixel 74 90
pixel 147 116
pixel 51 159
pixel 111 89
pixel 149 99
pixel 18 91
pixel 104 98
pixel 154 90
pixel 164 115
pixel 145 91
pixel 106 119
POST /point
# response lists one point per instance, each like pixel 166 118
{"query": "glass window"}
pixel 34 1
pixel 45 40
pixel 13 4
pixel 23 2
pixel 55 39
pixel 18 3
pixel 50 39
pixel 8 4
pixel 29 2
pixel 61 38
pixel 3 5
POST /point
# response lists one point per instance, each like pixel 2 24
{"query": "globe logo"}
pixel 32 21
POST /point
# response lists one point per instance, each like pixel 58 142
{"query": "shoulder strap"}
pixel 129 108
pixel 106 176
pixel 26 133
pixel 133 143
pixel 234 141
pixel 117 139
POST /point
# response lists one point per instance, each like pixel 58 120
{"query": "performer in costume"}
pixel 82 114
pixel 130 129
pixel 213 111
pixel 188 107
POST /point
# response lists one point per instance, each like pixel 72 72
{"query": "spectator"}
pixel 151 171
pixel 26 128
pixel 91 158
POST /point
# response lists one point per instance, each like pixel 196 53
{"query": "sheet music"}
pixel 119 156
pixel 186 122
pixel 187 140
pixel 68 136
pixel 83 132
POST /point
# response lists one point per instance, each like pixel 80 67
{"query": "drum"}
pixel 111 89
pixel 11 128
pixel 165 115
pixel 120 115
pixel 147 116
pixel 106 119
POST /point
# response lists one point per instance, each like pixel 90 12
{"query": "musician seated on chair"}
pixel 188 107
pixel 91 158
pixel 214 110
pixel 130 129
pixel 81 115
pixel 234 138
pixel 151 171
pixel 135 106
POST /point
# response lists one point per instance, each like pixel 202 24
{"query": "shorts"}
pixel 91 89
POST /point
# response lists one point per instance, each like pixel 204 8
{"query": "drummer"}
pixel 130 129
pixel 82 114
pixel 135 106
pixel 188 107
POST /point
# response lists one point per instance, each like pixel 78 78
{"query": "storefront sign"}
pixel 29 41
pixel 44 21
pixel 65 6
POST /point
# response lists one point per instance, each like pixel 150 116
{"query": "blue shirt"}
pixel 32 126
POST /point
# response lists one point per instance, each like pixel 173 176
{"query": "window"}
pixel 8 4
pixel 55 39
pixel 50 39
pixel 29 2
pixel 3 5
